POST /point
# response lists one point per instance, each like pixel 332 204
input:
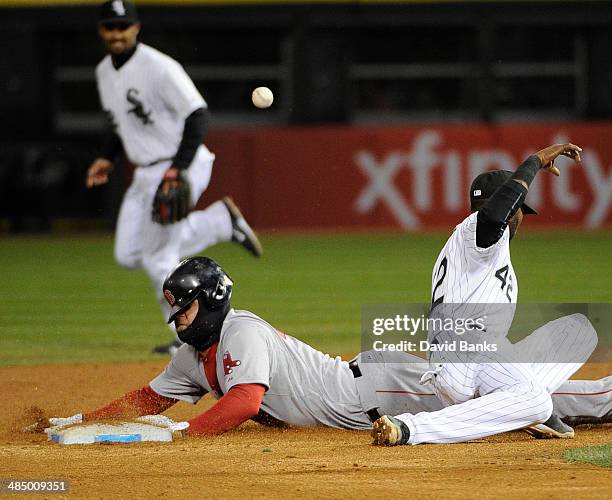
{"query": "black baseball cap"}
pixel 485 184
pixel 117 11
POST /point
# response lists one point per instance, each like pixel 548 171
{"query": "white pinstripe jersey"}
pixel 148 100
pixel 467 274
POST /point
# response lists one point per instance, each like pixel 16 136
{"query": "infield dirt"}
pixel 257 462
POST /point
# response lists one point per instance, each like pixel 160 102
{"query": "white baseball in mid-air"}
pixel 262 97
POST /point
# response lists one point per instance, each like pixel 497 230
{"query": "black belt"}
pixel 372 414
pixel 156 162
pixel 355 369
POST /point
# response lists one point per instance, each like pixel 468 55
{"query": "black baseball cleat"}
pixel 241 231
pixel 552 428
pixel 389 431
pixel 170 348
pixel 588 420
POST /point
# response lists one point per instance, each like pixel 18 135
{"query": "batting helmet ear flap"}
pixel 220 296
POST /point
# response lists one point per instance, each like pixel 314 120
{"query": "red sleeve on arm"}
pixel 144 401
pixel 241 403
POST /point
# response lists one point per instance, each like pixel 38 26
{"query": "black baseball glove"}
pixel 172 200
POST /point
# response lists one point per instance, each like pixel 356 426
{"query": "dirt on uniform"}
pixel 254 461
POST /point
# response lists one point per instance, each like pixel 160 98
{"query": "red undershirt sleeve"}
pixel 144 401
pixel 241 403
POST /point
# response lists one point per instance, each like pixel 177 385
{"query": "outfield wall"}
pixel 404 177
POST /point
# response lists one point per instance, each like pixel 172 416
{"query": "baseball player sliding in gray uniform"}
pixel 159 120
pixel 485 393
pixel 257 372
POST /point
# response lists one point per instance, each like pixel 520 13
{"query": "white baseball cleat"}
pixel 389 431
pixel 552 428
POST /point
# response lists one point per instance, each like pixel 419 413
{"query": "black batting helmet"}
pixel 202 279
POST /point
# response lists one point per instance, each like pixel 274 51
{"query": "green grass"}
pixel 596 455
pixel 64 299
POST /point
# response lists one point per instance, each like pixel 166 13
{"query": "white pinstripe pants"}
pixel 488 394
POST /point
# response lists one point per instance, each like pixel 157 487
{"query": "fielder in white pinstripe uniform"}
pixel 486 393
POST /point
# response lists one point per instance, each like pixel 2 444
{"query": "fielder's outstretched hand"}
pixel 548 155
pixel 98 172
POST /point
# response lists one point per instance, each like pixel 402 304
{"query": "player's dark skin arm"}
pixel 503 207
pixel 112 146
pixel 102 166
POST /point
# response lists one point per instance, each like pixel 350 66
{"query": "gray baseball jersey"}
pixel 305 387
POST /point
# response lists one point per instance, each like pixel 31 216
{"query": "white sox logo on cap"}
pixel 169 297
pixel 118 7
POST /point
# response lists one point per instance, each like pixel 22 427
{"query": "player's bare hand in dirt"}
pixel 98 172
pixel 548 155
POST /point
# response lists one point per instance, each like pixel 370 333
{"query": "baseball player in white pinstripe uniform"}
pixel 159 121
pixel 486 393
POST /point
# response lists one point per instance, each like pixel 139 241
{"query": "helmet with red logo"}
pixel 201 279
